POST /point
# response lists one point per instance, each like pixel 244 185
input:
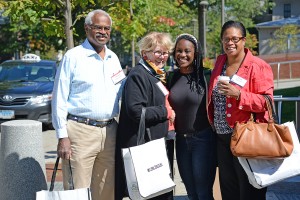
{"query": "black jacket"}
pixel 140 90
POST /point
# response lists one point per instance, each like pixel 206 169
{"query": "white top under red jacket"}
pixel 259 80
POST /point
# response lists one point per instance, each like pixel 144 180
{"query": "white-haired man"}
pixel 85 102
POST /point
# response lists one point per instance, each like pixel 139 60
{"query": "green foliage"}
pixel 252 43
pixel 288 108
pixel 43 20
pixel 146 16
pixel 243 11
pixel 38 20
pixel 280 38
pixel 208 63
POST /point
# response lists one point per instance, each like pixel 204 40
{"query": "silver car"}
pixel 26 89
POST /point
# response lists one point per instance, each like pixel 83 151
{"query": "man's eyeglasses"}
pixel 99 28
pixel 233 39
pixel 159 53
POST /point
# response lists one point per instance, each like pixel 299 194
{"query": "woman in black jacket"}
pixel 144 87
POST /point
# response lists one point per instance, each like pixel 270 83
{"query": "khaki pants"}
pixel 92 159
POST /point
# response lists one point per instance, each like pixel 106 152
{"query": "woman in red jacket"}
pixel 228 102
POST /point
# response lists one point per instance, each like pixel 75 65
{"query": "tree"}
pixel 29 17
pixel 284 39
pixel 132 19
pixel 243 11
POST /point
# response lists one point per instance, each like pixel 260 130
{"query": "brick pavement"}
pixel 49 172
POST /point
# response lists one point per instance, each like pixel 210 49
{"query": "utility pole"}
pixel 202 25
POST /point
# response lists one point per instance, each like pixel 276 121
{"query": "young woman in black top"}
pixel 195 140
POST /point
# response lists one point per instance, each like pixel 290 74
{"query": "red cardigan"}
pixel 259 78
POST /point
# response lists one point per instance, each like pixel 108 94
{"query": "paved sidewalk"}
pixel 285 190
pixel 50 143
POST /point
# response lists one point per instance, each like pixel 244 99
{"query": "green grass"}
pixel 288 107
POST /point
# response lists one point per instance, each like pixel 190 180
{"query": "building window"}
pixel 287 10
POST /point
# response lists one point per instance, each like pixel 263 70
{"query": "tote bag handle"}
pixel 54 175
pixel 142 128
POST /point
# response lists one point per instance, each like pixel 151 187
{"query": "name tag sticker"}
pixel 117 77
pixel 162 88
pixel 238 80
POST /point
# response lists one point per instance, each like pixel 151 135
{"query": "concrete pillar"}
pixel 22 162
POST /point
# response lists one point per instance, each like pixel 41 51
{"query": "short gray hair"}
pixel 88 19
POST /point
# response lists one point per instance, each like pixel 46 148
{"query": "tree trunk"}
pixel 68 25
pixel 132 42
pixel 132 52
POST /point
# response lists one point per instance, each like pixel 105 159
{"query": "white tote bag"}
pixel 264 172
pixel 147 167
pixel 73 194
pixel 77 194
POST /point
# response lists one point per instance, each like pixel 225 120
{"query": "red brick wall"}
pixel 286 70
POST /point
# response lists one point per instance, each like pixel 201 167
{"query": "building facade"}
pixel 285 12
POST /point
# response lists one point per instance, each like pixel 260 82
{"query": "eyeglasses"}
pixel 100 28
pixel 233 39
pixel 159 53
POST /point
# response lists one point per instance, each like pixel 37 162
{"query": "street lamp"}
pixel 202 25
pixel 194 27
pixel 223 13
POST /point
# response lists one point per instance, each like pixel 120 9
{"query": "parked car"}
pixel 26 89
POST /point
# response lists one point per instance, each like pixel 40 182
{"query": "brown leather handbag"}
pixel 261 140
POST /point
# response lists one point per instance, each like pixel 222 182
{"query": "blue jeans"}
pixel 197 160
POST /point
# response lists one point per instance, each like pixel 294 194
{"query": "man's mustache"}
pixel 101 35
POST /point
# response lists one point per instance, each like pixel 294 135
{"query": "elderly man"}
pixel 85 102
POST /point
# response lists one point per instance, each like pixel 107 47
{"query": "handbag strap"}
pixel 270 107
pixel 271 102
pixel 142 128
pixel 54 175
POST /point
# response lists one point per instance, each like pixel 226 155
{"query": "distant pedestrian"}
pixel 85 102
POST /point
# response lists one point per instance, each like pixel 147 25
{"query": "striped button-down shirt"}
pixel 84 87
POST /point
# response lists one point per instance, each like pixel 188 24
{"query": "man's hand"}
pixel 64 148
